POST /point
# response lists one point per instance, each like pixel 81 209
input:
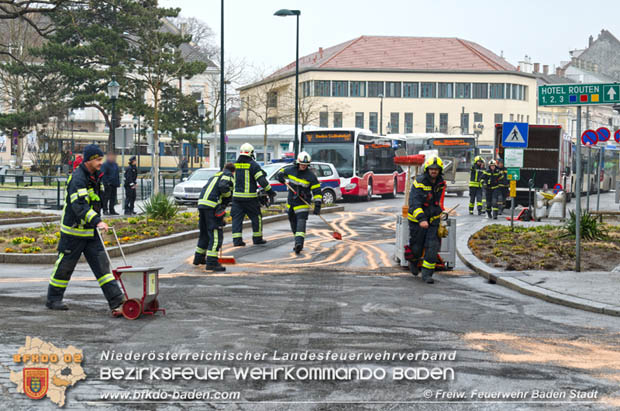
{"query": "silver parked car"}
pixel 189 190
pixel 325 172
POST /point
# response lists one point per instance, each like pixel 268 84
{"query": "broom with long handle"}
pixel 335 233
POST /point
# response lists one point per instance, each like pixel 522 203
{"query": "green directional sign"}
pixel 513 174
pixel 578 94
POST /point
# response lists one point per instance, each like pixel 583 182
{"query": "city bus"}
pixel 364 160
pixel 456 151
pixel 610 170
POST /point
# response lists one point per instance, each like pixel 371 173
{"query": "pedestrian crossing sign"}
pixel 515 135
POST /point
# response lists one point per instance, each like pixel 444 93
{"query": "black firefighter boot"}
pixel 494 214
pixel 199 259
pixel 413 267
pixel 259 241
pixel 237 242
pixel 489 214
pixel 427 276
pixel 214 265
pixel 54 298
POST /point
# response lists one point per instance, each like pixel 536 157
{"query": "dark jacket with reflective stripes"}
pixel 493 179
pixel 475 176
pixel 305 183
pixel 80 214
pixel 248 175
pixel 504 181
pixel 425 199
pixel 218 190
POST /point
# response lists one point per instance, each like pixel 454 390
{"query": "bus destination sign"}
pixel 328 137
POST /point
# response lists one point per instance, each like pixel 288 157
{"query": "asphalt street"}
pixel 343 297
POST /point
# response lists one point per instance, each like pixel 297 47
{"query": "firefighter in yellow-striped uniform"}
pixel 424 214
pixel 214 198
pixel 78 234
pixel 307 190
pixel 475 185
pixel 504 185
pixel 493 185
pixel 248 175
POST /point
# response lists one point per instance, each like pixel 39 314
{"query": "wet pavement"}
pixel 342 297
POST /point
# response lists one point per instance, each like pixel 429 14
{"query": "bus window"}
pixel 339 154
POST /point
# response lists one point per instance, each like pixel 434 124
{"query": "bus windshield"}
pixel 339 154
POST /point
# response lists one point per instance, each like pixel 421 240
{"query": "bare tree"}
pixel 203 36
pixel 268 104
pixel 47 153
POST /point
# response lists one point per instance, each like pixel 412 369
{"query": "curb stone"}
pixel 47 258
pixel 510 280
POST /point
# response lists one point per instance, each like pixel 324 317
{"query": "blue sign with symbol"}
pixel 603 134
pixel 514 135
pixel 589 138
pixel 617 136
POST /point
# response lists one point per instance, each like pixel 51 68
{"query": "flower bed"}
pixel 44 238
pixel 543 247
pixel 17 214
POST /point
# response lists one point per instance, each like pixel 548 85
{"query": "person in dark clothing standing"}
pixel 184 167
pixel 504 185
pixel 307 189
pixel 131 182
pixel 493 184
pixel 475 185
pixel 78 234
pixel 248 175
pixel 111 181
pixel 214 198
pixel 425 212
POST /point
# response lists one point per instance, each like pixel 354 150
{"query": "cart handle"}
pixel 117 242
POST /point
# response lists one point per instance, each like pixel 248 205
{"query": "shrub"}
pixel 591 229
pixel 160 207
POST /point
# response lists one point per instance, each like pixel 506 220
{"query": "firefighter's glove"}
pixel 408 253
pixel 442 231
pixel 317 208
pixel 220 211
pixel 280 178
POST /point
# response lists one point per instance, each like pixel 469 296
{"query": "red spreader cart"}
pixel 140 285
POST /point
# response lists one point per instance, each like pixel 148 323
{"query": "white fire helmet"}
pixel 304 158
pixel 247 150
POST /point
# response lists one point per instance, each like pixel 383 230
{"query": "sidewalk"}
pixel 590 291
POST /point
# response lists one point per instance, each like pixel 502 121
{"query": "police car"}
pixel 325 172
pixel 189 190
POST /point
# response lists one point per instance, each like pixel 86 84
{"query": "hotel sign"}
pixel 578 94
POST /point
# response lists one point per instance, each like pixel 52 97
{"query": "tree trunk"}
pixel 265 146
pixel 155 143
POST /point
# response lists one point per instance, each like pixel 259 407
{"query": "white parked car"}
pixel 189 190
pixel 326 173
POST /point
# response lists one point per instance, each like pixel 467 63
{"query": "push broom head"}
pixel 227 260
pixel 337 235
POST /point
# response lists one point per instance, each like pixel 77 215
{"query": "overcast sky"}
pixel 545 30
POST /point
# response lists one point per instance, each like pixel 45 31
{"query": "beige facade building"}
pixel 398 85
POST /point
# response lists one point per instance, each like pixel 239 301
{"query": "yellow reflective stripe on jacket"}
pixel 90 214
pixel 205 198
pixel 246 189
pixel 76 231
pixel 317 197
pixel 299 181
pixel 258 174
pixel 315 186
pixel 82 192
pixel 421 185
pixel 245 195
pixel 206 202
pixel 226 195
pixel 73 197
pixel 226 178
pixel 242 165
pixel 476 184
pixel 414 216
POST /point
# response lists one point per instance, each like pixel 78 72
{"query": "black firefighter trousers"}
pixel 238 211
pixel 211 235
pixel 70 249
pixel 297 219
pixel 424 240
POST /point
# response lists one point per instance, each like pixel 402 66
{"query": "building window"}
pixel 358 89
pixel 515 92
pixel 321 88
pixel 337 119
pixel 498 118
pixel 272 120
pixel 465 123
pixel 410 90
pixel 508 91
pixel 372 119
pixel 272 99
pixel 443 123
pixel 394 126
pixel 340 88
pixel 445 90
pixel 512 117
pixel 375 88
pixel 392 89
pixel 427 90
pixel 306 88
pixel 477 117
pixel 524 93
pixel 463 90
pixel 480 90
pixel 496 90
pixel 323 119
pixel 430 122
pixel 408 122
pixel 359 120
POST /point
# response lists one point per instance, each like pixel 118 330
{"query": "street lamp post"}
pixel 381 115
pixel 296 13
pixel 72 119
pixel 136 136
pixel 202 112
pixel 113 91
